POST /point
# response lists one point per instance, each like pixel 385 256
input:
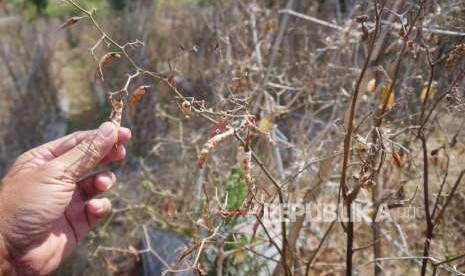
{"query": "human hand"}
pixel 47 200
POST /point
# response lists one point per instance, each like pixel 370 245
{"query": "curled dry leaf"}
pixel 117 111
pixel 110 265
pixel 451 61
pixel 137 95
pixel 186 108
pixel 397 159
pixel 371 212
pixel 69 22
pixel 271 25
pixel 239 256
pixel 104 61
pixel 371 86
pixel 134 252
pixel 211 144
pixel 362 18
pixel 387 98
pixel 425 94
pixel 232 214
pixel 265 125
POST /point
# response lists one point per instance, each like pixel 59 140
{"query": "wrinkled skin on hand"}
pixel 47 202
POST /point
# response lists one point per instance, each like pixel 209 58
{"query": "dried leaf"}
pixel 104 61
pixel 371 86
pixel 451 61
pixel 169 208
pixel 397 159
pixel 117 111
pixel 371 213
pixel 110 265
pixel 239 256
pixel 134 252
pixel 156 149
pixel 432 91
pixel 186 108
pixel 362 18
pixel 266 124
pixel 69 22
pixel 387 97
pixel 137 95
pixel 271 25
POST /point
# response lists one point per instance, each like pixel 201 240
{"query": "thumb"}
pixel 86 155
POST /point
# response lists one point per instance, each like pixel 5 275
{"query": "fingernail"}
pixel 125 129
pixel 106 129
pixel 98 205
pixel 110 182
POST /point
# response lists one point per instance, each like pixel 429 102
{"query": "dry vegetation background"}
pixel 288 71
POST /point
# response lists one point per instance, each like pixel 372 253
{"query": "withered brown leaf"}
pixel 104 61
pixel 69 22
pixel 137 95
pixel 134 252
pixel 117 111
